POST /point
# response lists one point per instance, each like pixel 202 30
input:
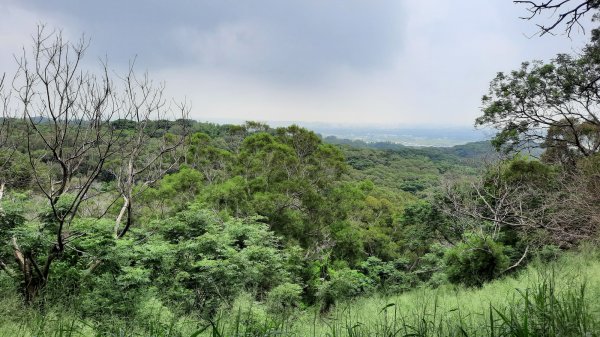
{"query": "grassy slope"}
pixel 458 311
pixel 556 306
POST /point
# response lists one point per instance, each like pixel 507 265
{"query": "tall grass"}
pixel 558 299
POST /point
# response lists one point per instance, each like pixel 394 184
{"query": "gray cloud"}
pixel 349 61
pixel 299 40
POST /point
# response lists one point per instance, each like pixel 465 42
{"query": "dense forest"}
pixel 121 216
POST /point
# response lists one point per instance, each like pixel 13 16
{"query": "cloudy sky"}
pixel 385 62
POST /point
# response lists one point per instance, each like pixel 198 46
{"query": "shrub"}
pixel 152 309
pixel 389 276
pixel 284 298
pixel 549 253
pixel 11 216
pixel 343 284
pixel 249 314
pixel 477 260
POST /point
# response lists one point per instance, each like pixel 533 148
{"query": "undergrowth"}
pixel 556 299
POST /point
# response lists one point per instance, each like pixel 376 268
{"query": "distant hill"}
pixel 411 169
pixel 409 136
pixel 467 151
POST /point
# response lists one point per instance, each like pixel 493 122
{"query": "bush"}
pixel 11 216
pixel 477 260
pixel 390 276
pixel 343 284
pixel 153 310
pixel 249 315
pixel 549 253
pixel 284 298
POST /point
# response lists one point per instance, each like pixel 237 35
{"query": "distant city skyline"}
pixel 348 62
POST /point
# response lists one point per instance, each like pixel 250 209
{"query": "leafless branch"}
pixel 567 12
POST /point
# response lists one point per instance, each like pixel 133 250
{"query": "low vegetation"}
pixel 549 298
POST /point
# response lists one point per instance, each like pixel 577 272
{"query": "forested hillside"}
pixel 411 169
pixel 122 216
pixel 238 208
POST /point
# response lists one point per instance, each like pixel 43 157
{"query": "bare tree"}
pixel 145 106
pixel 494 200
pixel 67 113
pixel 553 208
pixel 5 145
pixel 567 12
pixel 576 208
pixel 4 133
pixel 69 121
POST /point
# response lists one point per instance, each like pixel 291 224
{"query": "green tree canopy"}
pixel 555 105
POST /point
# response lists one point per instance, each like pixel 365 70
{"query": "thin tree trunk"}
pixel 33 278
pixel 6 268
pixel 120 216
pixel 30 284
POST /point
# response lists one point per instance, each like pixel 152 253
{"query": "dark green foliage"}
pixel 286 177
pixel 421 225
pixel 552 105
pixel 116 233
pixel 15 169
pixel 273 212
pixel 124 124
pixel 404 169
pixel 475 261
pixel 549 253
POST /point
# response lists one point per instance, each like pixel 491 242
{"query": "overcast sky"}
pixel 387 62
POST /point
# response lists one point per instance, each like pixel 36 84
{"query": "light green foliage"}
pixel 523 170
pixel 11 214
pixel 344 284
pixel 173 193
pixel 262 226
pixel 555 299
pixel 248 230
pixel 255 210
pixel 205 155
pixel 216 258
pixel 284 299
